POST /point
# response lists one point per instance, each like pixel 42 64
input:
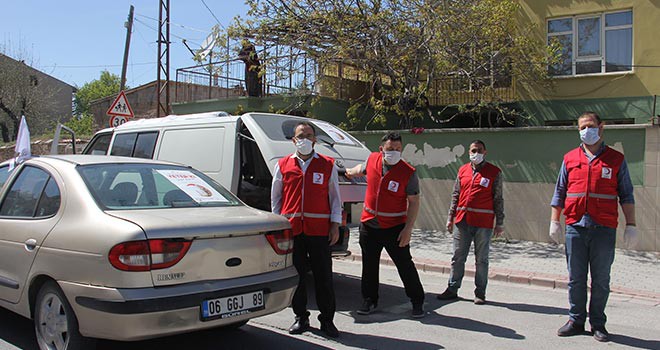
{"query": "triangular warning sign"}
pixel 120 107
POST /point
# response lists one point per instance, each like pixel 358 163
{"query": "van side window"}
pixel 139 145
pixel 145 144
pixel 99 144
pixel 123 145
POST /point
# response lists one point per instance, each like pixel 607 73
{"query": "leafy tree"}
pixel 402 48
pixel 106 85
pixel 83 126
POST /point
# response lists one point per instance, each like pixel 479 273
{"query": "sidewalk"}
pixel 541 264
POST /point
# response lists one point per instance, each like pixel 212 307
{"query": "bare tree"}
pixel 21 93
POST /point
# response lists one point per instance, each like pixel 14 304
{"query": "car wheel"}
pixel 55 324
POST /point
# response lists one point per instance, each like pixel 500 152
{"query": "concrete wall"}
pixel 530 159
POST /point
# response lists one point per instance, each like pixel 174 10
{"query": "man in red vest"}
pixel 591 178
pixel 390 209
pixel 476 206
pixel 305 190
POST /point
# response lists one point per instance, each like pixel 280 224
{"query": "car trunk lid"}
pixel 226 242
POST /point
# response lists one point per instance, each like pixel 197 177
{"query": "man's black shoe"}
pixel 418 311
pixel 600 333
pixel 329 329
pixel 368 306
pixel 447 295
pixel 570 328
pixel 300 326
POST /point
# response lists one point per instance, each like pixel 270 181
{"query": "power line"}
pixel 175 24
pixel 174 35
pixel 213 14
pixel 98 66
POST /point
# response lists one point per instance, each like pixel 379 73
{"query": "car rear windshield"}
pixel 122 186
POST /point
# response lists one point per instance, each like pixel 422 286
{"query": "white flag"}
pixel 23 142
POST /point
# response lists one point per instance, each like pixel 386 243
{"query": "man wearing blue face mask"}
pixel 476 206
pixel 305 190
pixel 591 178
pixel 390 209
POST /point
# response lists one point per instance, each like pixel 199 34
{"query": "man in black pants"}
pixel 306 191
pixel 390 209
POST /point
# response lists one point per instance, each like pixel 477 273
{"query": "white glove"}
pixel 630 237
pixel 555 231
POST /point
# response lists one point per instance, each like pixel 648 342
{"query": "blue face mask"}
pixel 589 136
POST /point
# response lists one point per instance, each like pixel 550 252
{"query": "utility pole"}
pixel 163 88
pixel 129 29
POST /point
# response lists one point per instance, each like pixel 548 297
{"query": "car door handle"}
pixel 30 244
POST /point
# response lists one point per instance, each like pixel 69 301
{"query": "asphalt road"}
pixel 516 317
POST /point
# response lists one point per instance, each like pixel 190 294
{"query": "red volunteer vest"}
pixel 386 197
pixel 305 200
pixel 592 188
pixel 475 202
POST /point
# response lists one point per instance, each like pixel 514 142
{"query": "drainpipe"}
pixel 655 119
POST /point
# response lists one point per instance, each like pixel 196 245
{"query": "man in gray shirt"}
pixel 476 205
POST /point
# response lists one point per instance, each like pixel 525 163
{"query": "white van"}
pixel 239 152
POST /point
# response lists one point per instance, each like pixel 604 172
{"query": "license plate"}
pixel 233 305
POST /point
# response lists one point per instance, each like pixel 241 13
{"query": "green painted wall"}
pixel 530 155
pixel 638 108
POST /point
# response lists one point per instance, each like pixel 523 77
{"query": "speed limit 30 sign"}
pixel 117 120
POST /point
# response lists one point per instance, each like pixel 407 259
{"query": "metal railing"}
pixel 278 75
pixel 295 73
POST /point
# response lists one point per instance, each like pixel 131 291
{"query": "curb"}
pixel 536 279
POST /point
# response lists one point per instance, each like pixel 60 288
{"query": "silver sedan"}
pixel 129 249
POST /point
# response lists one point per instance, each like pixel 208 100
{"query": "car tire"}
pixel 55 324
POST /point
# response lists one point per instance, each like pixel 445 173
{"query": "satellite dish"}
pixel 207 46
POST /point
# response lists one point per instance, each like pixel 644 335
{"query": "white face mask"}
pixel 391 157
pixel 589 136
pixel 476 158
pixel 304 146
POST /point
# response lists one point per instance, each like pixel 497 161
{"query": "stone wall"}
pixel 40 147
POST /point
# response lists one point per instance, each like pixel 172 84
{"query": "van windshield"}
pixel 281 129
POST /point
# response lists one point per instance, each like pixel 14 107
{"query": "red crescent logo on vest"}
pixel 318 178
pixel 606 173
pixel 393 186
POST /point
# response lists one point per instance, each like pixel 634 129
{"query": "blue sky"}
pixel 74 40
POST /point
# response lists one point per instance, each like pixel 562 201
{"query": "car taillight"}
pixel 147 255
pixel 166 253
pixel 281 241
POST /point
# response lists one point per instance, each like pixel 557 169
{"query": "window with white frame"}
pixel 592 44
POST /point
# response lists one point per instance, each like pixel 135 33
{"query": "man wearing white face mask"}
pixel 476 206
pixel 591 178
pixel 305 190
pixel 390 209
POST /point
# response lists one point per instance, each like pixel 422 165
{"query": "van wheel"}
pixel 55 324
